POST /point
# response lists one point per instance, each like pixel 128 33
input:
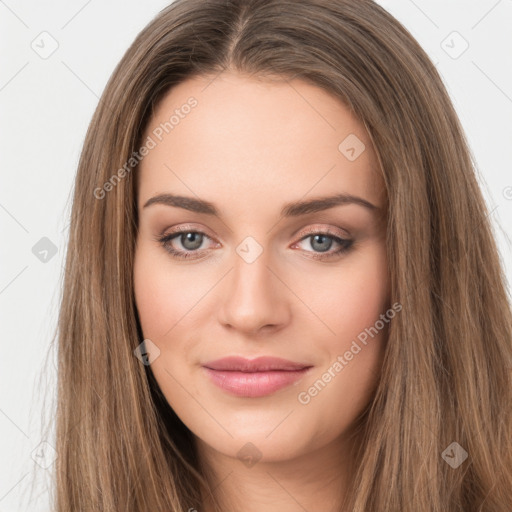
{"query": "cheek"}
pixel 160 298
pixel 363 296
pixel 352 298
pixel 352 306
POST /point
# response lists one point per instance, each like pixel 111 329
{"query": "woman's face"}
pixel 263 276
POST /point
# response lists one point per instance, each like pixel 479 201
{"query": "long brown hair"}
pixel 446 373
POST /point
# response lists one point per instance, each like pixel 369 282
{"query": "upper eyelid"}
pixel 310 232
pixel 316 227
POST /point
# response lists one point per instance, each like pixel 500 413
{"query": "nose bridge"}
pixel 251 274
pixel 254 296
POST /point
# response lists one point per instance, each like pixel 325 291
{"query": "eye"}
pixel 322 241
pixel 189 239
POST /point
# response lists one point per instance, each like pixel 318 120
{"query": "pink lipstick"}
pixel 254 377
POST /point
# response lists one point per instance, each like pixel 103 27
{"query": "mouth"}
pixel 254 377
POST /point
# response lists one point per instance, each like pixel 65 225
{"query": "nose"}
pixel 254 298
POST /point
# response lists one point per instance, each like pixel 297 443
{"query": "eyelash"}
pixel 345 244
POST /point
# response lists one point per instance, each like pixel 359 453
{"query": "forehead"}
pixel 256 142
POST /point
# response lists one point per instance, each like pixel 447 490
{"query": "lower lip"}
pixel 254 384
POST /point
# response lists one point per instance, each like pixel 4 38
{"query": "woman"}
pixel 213 354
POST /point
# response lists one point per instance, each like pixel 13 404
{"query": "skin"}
pixel 249 147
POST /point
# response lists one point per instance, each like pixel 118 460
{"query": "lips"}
pixel 260 364
pixel 254 377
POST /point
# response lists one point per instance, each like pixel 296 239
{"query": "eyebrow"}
pixel 292 209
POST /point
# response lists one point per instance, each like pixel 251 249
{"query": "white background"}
pixel 46 105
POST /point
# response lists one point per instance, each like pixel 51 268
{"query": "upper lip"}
pixel 260 364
